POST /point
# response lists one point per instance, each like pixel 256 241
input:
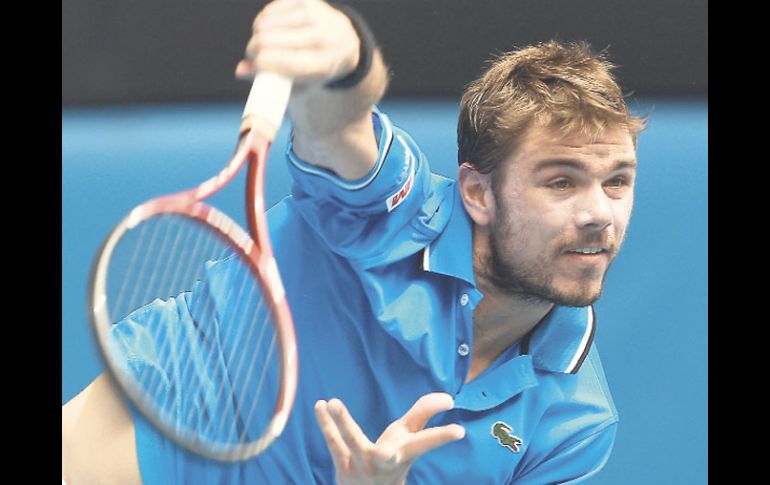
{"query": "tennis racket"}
pixel 189 310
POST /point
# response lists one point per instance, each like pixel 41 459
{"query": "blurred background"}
pixel 150 106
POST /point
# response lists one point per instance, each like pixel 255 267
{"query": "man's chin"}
pixel 550 295
pixel 575 300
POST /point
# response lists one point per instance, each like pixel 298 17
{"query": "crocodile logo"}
pixel 502 432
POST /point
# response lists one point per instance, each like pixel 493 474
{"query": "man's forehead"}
pixel 542 141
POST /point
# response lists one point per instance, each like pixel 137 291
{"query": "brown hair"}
pixel 567 87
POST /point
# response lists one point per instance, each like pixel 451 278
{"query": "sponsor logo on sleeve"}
pixel 396 199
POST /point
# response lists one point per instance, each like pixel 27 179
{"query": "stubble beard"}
pixel 533 283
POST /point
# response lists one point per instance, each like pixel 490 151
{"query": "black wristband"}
pixel 366 50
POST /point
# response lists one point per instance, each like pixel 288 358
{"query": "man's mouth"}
pixel 589 250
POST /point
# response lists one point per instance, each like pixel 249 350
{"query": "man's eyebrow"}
pixel 624 164
pixel 579 165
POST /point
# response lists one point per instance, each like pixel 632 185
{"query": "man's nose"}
pixel 595 210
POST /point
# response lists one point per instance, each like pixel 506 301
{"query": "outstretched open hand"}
pixel 387 461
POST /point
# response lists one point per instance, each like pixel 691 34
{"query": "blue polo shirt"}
pixel 379 276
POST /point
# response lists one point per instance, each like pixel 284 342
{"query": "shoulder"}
pixel 595 383
pixel 576 431
pixel 587 393
pixel 580 404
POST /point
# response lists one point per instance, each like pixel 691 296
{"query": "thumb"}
pixel 425 408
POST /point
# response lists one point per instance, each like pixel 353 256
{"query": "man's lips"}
pixel 587 250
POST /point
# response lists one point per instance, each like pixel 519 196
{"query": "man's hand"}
pixel 359 461
pixel 314 43
pixel 307 40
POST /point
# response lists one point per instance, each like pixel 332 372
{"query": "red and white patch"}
pixel 396 199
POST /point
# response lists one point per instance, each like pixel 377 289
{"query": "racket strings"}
pixel 215 373
pixel 245 424
pixel 237 334
pixel 151 388
pixel 133 302
pixel 238 426
pixel 208 314
pixel 243 437
pixel 131 266
pixel 211 359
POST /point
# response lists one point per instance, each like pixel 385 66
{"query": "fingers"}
pixel 348 445
pixel 302 38
pixel 337 447
pixel 292 63
pixel 349 430
pixel 271 20
pixel 281 24
pixel 286 62
pixel 353 453
pixel 428 439
pixel 244 70
pixel 282 14
pixel 425 408
pixel 307 40
pixel 281 30
pixel 283 6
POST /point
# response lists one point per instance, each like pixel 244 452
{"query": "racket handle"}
pixel 266 104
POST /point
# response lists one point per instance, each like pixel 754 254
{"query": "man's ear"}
pixel 476 191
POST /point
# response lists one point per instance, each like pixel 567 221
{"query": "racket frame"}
pixel 257 251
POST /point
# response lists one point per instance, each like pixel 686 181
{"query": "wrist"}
pixel 367 46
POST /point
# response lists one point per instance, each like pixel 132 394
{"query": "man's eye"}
pixel 560 185
pixel 617 182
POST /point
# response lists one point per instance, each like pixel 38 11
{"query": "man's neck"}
pixel 498 322
pixel 502 317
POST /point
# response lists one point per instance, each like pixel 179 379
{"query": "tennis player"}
pixel 445 327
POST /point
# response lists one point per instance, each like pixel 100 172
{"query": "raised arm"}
pixel 318 45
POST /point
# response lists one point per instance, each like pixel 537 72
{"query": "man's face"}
pixel 561 212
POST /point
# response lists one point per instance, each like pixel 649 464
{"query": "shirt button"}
pixel 464 299
pixel 463 350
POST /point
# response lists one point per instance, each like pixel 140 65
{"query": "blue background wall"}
pixel 653 323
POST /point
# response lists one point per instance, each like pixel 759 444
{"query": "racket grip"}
pixel 266 105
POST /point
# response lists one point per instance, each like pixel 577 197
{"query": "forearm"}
pixel 332 128
pixel 98 440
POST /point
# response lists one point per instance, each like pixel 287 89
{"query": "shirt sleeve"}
pixel 573 463
pixel 367 218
